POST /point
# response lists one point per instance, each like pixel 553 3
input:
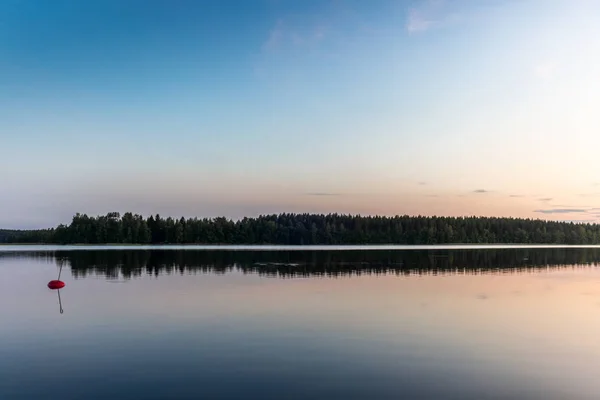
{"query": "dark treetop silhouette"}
pixel 305 229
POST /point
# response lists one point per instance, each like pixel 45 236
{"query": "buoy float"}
pixel 56 284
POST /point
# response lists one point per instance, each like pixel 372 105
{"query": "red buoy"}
pixel 56 284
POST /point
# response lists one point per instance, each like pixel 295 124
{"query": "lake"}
pixel 277 323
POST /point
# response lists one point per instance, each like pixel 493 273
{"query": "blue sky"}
pixel 239 108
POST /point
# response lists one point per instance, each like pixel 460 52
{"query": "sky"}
pixel 231 108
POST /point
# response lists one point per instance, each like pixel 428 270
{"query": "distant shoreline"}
pixel 230 247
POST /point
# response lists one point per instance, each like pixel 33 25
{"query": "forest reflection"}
pixel 127 264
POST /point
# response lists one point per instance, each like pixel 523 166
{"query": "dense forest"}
pixel 8 235
pixel 307 229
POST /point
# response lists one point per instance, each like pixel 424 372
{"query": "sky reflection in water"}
pixel 463 324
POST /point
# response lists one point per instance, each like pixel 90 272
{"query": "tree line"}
pixel 7 234
pixel 307 229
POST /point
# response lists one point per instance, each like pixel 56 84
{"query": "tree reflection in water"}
pixel 127 264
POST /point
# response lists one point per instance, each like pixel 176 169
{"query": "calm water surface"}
pixel 363 324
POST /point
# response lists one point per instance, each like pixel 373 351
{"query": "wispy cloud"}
pixel 288 32
pixel 481 191
pixel 546 199
pixel 418 21
pixel 516 195
pixel 422 183
pixel 570 206
pixel 562 211
pixel 275 37
pixel 427 15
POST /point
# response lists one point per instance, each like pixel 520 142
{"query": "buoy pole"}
pixel 59 302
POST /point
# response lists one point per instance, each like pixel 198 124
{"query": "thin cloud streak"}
pixel 595 194
pixel 570 206
pixel 562 211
